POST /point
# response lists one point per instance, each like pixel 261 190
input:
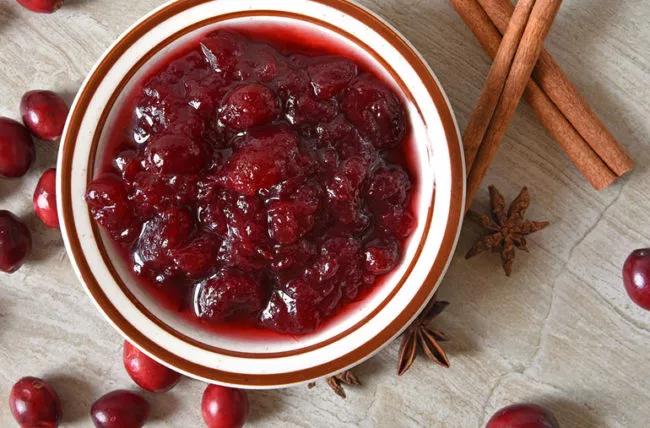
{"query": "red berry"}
pixel 375 111
pixel 228 294
pixel 120 409
pixel 15 242
pixel 292 309
pixel 44 114
pixel 147 372
pixel 636 277
pixel 16 148
pixel 41 6
pixel 330 76
pixel 247 106
pixel 45 199
pixel 197 257
pixel 34 403
pixel 523 416
pixel 381 257
pixel 224 407
pixel 176 154
pixel 108 202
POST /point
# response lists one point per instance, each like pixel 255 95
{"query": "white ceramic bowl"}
pixel 283 360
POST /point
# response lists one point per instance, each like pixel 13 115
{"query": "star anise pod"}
pixel 507 230
pixel 419 334
pixel 336 382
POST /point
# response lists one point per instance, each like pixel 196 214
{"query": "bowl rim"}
pixel 400 321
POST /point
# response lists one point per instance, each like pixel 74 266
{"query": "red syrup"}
pixel 259 180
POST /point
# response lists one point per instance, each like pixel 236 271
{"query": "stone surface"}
pixel 560 331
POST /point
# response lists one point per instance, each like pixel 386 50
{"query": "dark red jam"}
pixel 258 184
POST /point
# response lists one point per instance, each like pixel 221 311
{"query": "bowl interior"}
pixel 363 326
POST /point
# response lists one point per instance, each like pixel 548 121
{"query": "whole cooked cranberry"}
pixel 147 372
pixel 34 403
pixel 636 277
pixel 375 111
pixel 263 161
pixel 289 221
pixel 41 6
pixel 176 154
pixel 45 199
pixel 222 51
pixel 15 242
pixel 16 148
pixel 224 407
pixel 228 294
pixel 523 416
pixel 44 114
pixel 108 202
pixel 196 258
pixel 120 409
pixel 381 257
pixel 247 106
pixel 293 309
pixel 330 76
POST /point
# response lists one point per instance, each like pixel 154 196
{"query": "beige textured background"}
pixel 561 331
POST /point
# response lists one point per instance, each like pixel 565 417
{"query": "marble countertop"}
pixel 561 331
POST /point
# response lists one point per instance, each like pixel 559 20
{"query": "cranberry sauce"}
pixel 258 182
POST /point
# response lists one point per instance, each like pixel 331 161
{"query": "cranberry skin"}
pixel 44 113
pixel 636 277
pixel 227 294
pixel 149 374
pixel 224 407
pixel 120 409
pixel 247 106
pixel 375 111
pixel 45 199
pixel 523 416
pixel 16 149
pixel 330 77
pixel 176 154
pixel 107 199
pixel 381 257
pixel 41 6
pixel 34 403
pixel 15 242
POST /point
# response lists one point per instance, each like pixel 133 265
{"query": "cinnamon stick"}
pixel 495 82
pixel 565 96
pixel 590 165
pixel 531 44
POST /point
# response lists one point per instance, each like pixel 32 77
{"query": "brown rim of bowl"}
pixel 366 349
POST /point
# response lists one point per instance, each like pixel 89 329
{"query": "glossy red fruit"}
pixel 523 416
pixel 224 407
pixel 227 294
pixel 45 199
pixel 44 114
pixel 34 403
pixel 120 409
pixel 636 277
pixel 41 6
pixel 176 154
pixel 149 374
pixel 249 105
pixel 16 149
pixel 15 242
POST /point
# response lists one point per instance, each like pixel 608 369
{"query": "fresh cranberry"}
pixel 523 416
pixel 247 106
pixel 44 114
pixel 15 242
pixel 149 374
pixel 375 110
pixel 34 403
pixel 108 202
pixel 16 148
pixel 263 161
pixel 175 154
pixel 224 407
pixel 45 199
pixel 636 277
pixel 120 409
pixel 228 294
pixel 329 77
pixel 41 6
